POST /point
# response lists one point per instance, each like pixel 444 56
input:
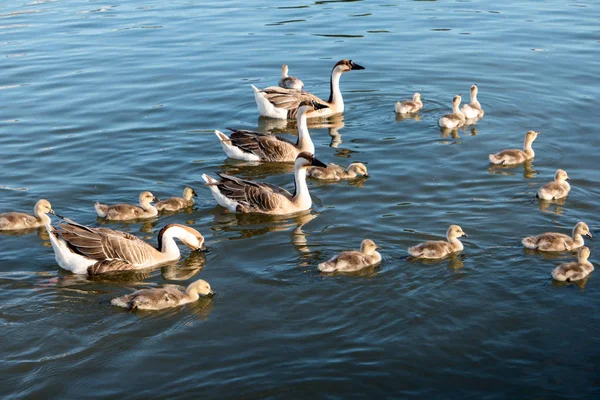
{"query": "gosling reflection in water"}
pixel 528 171
pixel 403 117
pixel 555 206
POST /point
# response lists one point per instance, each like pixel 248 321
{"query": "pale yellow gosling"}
pixel 409 106
pixel 574 271
pixel 178 203
pixel 440 249
pixel 473 109
pixel 555 190
pixel 349 261
pixel 334 172
pixel 123 212
pixel 165 297
pixel 551 241
pixel 456 119
pixel 515 156
pixel 18 220
pixel 289 82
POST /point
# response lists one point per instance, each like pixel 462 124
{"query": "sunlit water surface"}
pixel 102 100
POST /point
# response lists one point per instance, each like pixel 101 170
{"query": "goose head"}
pixel 582 229
pixel 188 193
pixel 310 105
pixel 583 254
pixel 43 207
pixel 359 169
pixel 146 198
pixel 347 65
pixel 368 247
pixel 306 159
pixel 188 236
pixel 455 231
pixel 200 287
pixel 561 176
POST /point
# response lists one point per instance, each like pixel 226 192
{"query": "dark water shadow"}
pixel 528 171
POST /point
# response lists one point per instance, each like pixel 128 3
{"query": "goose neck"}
pixel 168 247
pixel 335 95
pixel 303 134
pixel 301 195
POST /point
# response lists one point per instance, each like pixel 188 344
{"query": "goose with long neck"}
pixel 257 146
pixel 473 109
pixel 440 249
pixel 574 271
pixel 276 102
pixel 244 196
pixel 85 250
pixel 456 119
pixel 123 212
pixel 516 156
pixel 18 220
pixel 553 241
pixel 289 82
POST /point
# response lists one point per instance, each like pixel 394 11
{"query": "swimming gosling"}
pixel 178 203
pixel 516 156
pixel 123 212
pixel 557 189
pixel 165 297
pixel 440 249
pixel 17 220
pixel 409 106
pixel 349 261
pixel 334 172
pixel 574 271
pixel 551 241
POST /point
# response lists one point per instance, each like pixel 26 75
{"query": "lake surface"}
pixel 102 100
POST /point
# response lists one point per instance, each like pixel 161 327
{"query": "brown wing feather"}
pixel 267 147
pixel 288 99
pixel 253 196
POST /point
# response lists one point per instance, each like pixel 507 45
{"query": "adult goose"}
pixel 178 203
pixel 289 82
pixel 84 250
pixel 516 156
pixel 165 297
pixel 243 196
pixel 276 102
pixel 473 109
pixel 18 220
pixel 256 146
pixel 440 249
pixel 552 241
pixel 123 212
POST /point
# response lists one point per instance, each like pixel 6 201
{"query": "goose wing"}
pixel 104 244
pixel 288 99
pixel 265 146
pixel 258 195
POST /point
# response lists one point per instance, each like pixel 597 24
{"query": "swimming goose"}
pixel 551 241
pixel 276 102
pixel 122 212
pixel 243 196
pixel 409 106
pixel 289 82
pixel 515 156
pixel 178 203
pixel 334 172
pixel 84 250
pixel 456 119
pixel 348 261
pixel 473 109
pixel 555 190
pixel 440 249
pixel 256 146
pixel 165 297
pixel 574 271
pixel 19 220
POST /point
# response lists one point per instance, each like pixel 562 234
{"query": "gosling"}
pixel 349 261
pixel 123 212
pixel 456 119
pixel 334 172
pixel 440 249
pixel 574 271
pixel 515 156
pixel 551 241
pixel 178 203
pixel 165 297
pixel 409 106
pixel 17 220
pixel 555 190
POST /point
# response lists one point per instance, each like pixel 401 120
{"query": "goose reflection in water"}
pixel 185 269
pixel 333 123
pixel 404 117
pixel 528 171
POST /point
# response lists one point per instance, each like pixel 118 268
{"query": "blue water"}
pixel 101 101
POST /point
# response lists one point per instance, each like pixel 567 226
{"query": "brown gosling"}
pixel 551 241
pixel 334 172
pixel 409 106
pixel 165 297
pixel 178 203
pixel 516 156
pixel 123 212
pixel 473 109
pixel 19 220
pixel 349 261
pixel 557 189
pixel 456 119
pixel 574 271
pixel 440 249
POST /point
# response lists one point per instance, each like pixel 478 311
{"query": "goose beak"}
pixel 356 66
pixel 194 194
pixel 317 163
pixel 589 234
pixel 211 293
pixel 319 106
pixel 568 179
pixel 366 175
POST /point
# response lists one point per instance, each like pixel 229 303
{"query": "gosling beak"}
pixel 356 66
pixel 194 194
pixel 317 163
pixel 589 234
pixel 319 106
pixel 568 179
pixel 465 235
pixel 202 248
pixel 52 212
pixel 211 293
pixel 366 175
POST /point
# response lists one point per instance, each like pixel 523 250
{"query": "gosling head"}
pixel 456 100
pixel 582 229
pixel 200 287
pixel 359 169
pixel 561 176
pixel 347 65
pixel 147 198
pixel 43 207
pixel 583 254
pixel 531 136
pixel 474 90
pixel 310 105
pixel 188 193
pixel 306 159
pixel 454 232
pixel 367 246
pixel 417 96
